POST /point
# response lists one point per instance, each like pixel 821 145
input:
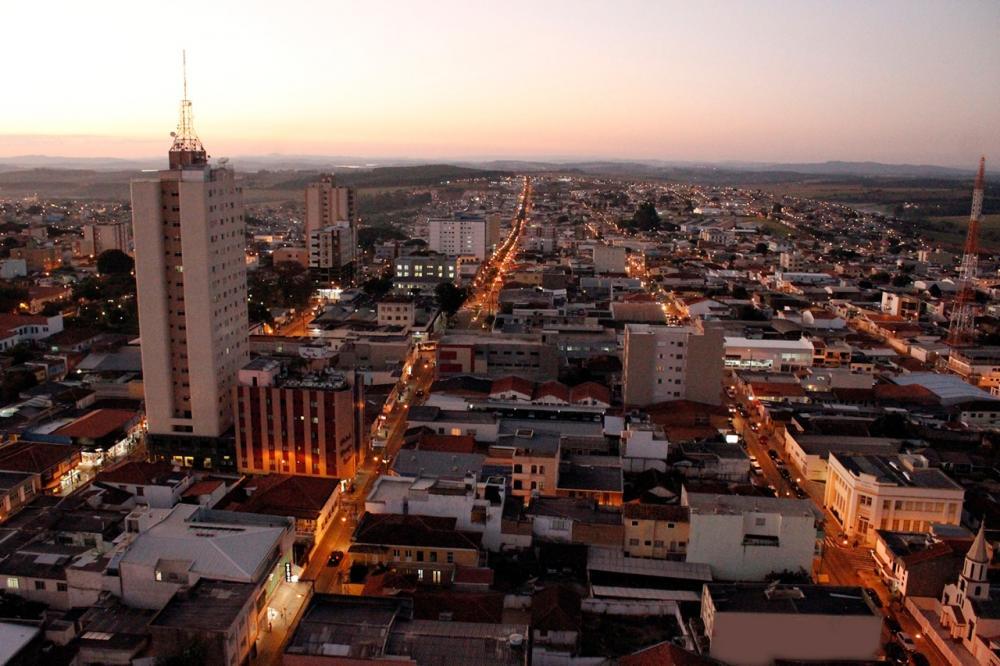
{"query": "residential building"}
pixel 191 281
pixel 397 311
pixel 871 492
pixel 979 366
pixel 331 252
pixel 431 547
pixel 329 205
pixel 464 234
pixel 758 624
pixel 918 564
pixel 659 531
pixel 99 238
pixel 665 363
pixel 16 490
pixel 293 421
pixel 158 485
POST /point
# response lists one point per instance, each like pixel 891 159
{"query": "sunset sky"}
pixel 904 81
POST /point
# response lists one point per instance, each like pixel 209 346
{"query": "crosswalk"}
pixel 859 559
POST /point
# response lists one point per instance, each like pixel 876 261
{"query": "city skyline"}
pixel 893 82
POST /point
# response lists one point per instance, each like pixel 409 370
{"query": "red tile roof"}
pixel 590 391
pixel 392 529
pixel 448 443
pixel 552 389
pixel 35 457
pixel 99 423
pixel 512 383
pixel 141 473
pixel 287 495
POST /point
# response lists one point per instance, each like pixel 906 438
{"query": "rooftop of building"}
pixel 222 544
pixel 896 470
pixel 99 423
pixel 710 503
pixel 790 599
pixel 577 509
pixel 302 497
pixel 210 605
pixel 142 473
pixel 443 464
pixel 425 413
pixel 391 529
pixel 673 513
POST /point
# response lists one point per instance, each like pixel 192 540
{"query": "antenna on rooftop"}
pixel 185 139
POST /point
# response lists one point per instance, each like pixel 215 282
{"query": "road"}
pixel 842 563
pixel 484 298
pixel 387 439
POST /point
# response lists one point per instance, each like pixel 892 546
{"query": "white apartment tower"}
pixel 463 235
pixel 190 265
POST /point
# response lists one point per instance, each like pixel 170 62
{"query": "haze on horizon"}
pixel 894 81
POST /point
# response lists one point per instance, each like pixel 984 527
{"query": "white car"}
pixel 906 641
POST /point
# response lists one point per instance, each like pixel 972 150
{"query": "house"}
pixel 311 501
pixel 159 485
pixel 659 531
pixel 429 546
pixel 917 564
pixel 55 464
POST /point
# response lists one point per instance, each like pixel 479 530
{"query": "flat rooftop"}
pixel 891 470
pixel 790 599
pixel 211 605
pixel 709 503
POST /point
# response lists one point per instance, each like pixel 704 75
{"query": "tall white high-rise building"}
pixel 463 235
pixel 328 205
pixel 190 253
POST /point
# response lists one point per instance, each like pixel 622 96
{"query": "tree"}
pixel 378 287
pixel 11 297
pixel 449 297
pixel 114 262
pixel 901 280
pixel 646 218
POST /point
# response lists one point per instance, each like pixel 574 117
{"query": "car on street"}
pixel 336 557
pixel 893 625
pixel 906 641
pixel 772 454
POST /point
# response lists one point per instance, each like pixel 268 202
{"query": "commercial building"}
pixel 665 363
pixel 757 624
pixel 748 537
pixel 464 235
pixel 767 355
pixel 191 280
pixel 866 493
pixel 297 422
pixel 423 271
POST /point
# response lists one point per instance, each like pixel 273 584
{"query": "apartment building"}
pixel 191 280
pixel 866 493
pixel 99 238
pixel 659 531
pixel 464 234
pixel 665 363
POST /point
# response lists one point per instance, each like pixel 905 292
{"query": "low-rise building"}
pixel 757 624
pixel 659 531
pixel 749 537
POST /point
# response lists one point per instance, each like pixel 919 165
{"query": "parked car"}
pixel 893 625
pixel 772 454
pixel 785 474
pixel 336 557
pixel 906 641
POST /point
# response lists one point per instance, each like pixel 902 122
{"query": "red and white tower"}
pixel 962 328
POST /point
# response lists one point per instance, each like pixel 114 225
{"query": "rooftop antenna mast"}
pixel 185 138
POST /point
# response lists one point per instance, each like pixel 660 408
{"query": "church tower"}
pixel 973 583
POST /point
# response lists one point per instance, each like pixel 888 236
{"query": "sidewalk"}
pixel 280 619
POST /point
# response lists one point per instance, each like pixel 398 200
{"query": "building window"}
pixel 13 583
pixel 39 584
pixel 451 557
